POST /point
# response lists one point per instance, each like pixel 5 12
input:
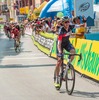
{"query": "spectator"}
pixel 79 28
pixel 45 26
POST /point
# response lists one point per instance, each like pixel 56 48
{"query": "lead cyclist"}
pixel 63 42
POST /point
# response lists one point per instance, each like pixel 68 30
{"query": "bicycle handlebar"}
pixel 71 54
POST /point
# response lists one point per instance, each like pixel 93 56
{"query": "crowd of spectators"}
pixel 50 25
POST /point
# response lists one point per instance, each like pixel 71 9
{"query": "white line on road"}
pixel 9 51
pixel 22 55
pixel 23 58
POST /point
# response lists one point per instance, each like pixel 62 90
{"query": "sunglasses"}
pixel 67 22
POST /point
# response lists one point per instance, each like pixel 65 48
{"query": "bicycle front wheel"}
pixel 70 79
pixel 17 46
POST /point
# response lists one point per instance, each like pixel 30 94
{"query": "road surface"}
pixel 28 75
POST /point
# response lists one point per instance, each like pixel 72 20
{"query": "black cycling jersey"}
pixel 62 35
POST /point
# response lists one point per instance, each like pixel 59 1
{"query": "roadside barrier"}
pixel 92 64
pixel 44 41
pixel 89 65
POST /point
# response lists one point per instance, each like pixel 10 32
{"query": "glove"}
pixel 69 33
pixel 60 55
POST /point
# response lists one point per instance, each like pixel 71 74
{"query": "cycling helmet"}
pixel 64 19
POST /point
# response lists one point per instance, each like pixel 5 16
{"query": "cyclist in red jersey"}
pixel 15 33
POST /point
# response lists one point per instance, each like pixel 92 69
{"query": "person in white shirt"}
pixel 45 27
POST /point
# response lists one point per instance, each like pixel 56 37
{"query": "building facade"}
pixel 34 3
pixel 11 8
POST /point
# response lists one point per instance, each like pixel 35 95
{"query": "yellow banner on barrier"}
pixel 92 63
pixel 95 47
pixel 72 40
pixel 83 46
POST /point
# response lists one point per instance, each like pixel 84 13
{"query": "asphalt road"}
pixel 28 75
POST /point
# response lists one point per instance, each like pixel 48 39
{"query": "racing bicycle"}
pixel 67 74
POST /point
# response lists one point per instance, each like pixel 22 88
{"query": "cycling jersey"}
pixel 15 32
pixel 62 35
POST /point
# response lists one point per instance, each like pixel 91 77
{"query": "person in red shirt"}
pixel 15 33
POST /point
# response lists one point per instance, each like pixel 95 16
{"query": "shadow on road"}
pixel 1 35
pixel 25 66
pixel 83 94
pixel 7 47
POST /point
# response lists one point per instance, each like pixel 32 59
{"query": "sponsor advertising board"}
pixel 85 8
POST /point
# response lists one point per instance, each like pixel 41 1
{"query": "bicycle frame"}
pixel 64 74
pixel 69 62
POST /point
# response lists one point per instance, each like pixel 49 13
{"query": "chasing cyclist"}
pixel 63 42
pixel 15 33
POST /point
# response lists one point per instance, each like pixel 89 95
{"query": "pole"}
pixel 70 8
pixel 63 8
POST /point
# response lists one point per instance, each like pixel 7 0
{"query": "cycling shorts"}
pixel 67 47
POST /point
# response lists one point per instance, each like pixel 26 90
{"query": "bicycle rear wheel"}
pixel 70 79
pixel 17 46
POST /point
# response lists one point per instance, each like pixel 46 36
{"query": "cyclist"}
pixel 22 29
pixel 63 42
pixel 15 33
pixel 17 26
pixel 7 30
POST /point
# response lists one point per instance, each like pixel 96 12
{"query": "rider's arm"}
pixel 59 46
pixel 59 40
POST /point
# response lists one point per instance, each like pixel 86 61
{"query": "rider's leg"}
pixel 72 51
pixel 57 68
pixel 56 72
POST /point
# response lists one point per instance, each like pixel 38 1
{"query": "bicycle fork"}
pixel 66 69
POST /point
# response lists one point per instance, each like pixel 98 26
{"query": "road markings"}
pixel 16 58
pixel 21 55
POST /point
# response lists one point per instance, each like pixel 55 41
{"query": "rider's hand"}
pixel 69 33
pixel 60 55
pixel 73 34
